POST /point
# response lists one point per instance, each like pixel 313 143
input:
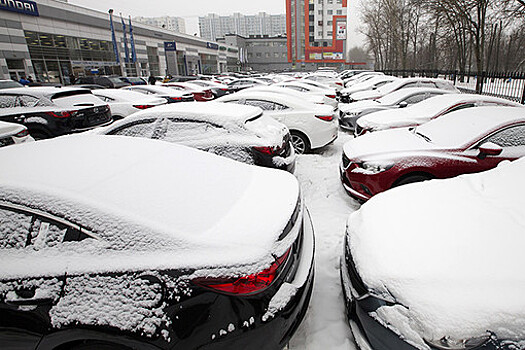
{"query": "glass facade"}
pixel 60 58
pixel 208 64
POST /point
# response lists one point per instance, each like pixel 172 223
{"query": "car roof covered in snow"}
pixel 465 126
pixel 450 252
pixel 143 195
pixel 45 91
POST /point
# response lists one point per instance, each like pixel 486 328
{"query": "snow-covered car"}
pixel 123 243
pixel 241 133
pixel 350 113
pixel 427 110
pixel 313 98
pixel 217 89
pixel 311 125
pixel 202 94
pixel 124 102
pixel 373 83
pixel 332 81
pixel 49 111
pixel 169 94
pixel 439 265
pixel 328 94
pixel 404 83
pixel 244 83
pixel 8 84
pixel 12 134
pixel 112 82
pixel 465 141
pixel 360 77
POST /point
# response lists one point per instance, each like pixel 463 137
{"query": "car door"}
pixel 26 295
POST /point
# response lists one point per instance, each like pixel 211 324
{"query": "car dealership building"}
pixel 55 41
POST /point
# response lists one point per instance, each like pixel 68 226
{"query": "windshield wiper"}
pixel 426 138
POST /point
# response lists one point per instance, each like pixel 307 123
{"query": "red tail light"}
pixel 269 150
pixel 330 96
pixel 64 114
pixel 224 89
pixel 340 84
pixel 22 133
pixel 326 118
pixel 143 106
pixel 247 284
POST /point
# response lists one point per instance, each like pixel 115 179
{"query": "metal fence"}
pixel 510 86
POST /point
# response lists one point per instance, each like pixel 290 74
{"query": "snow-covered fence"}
pixel 506 85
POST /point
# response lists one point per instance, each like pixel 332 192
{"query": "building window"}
pixel 267 54
pixel 329 33
pixel 319 23
pixel 339 1
pixel 258 54
pixel 320 2
pixel 320 33
pixel 339 12
pixel 329 23
pixel 320 12
pixel 250 55
pixel 330 1
pixel 276 54
pixel 330 12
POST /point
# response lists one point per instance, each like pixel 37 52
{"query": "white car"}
pixel 427 110
pixel 123 103
pixel 313 98
pixel 11 134
pixel 404 83
pixel 311 125
pixel 328 94
pixel 359 77
pixel 440 264
pixel 241 133
pixel 375 82
pixel 349 113
pixel 169 94
pixel 331 81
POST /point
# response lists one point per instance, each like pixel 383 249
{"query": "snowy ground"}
pixel 325 325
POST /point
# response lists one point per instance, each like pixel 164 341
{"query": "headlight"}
pixel 446 343
pixel 372 168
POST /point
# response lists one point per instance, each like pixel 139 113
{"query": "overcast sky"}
pixel 190 10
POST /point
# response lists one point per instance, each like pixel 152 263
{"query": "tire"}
pixel 300 142
pixel 411 179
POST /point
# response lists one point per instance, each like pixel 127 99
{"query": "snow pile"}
pixel 455 277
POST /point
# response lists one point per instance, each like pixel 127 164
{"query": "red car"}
pixel 465 141
pixel 199 93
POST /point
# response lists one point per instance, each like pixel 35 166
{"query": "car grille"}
pixel 6 141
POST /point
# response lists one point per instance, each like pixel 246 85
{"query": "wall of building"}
pixel 66 40
pixel 175 24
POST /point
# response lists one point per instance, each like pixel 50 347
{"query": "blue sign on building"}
pixel 170 46
pixel 212 46
pixel 21 6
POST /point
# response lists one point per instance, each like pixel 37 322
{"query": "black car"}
pixel 49 111
pixel 134 80
pixel 112 82
pixel 141 244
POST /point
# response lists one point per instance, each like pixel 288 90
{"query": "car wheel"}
pixel 300 142
pixel 411 179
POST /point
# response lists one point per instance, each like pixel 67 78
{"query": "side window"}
pixel 279 107
pixel 428 84
pixel 14 229
pixel 105 98
pixel 8 101
pixel 45 233
pixel 510 137
pixel 235 101
pixel 28 101
pixel 192 133
pixel 139 128
pixel 409 85
pixel 414 99
pixel 462 106
pixel 264 105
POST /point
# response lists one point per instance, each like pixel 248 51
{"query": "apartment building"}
pixel 213 26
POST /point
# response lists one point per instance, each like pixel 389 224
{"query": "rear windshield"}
pixel 76 99
pixel 9 84
pixel 115 80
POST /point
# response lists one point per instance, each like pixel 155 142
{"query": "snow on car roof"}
pixel 41 91
pixel 395 96
pixel 288 100
pixel 160 90
pixel 450 252
pixel 125 95
pixel 153 197
pixel 213 112
pixel 425 110
pixel 466 126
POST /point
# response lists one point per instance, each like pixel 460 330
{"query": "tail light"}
pixel 22 133
pixel 326 118
pixel 268 150
pixel 340 84
pixel 247 284
pixel 64 114
pixel 142 106
pixel 330 96
pixel 176 99
pixel 224 89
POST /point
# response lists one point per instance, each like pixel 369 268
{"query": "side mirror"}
pixel 403 104
pixel 489 149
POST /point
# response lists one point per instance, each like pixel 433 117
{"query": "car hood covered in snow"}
pixel 450 252
pixel 358 106
pixel 153 204
pixel 387 142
